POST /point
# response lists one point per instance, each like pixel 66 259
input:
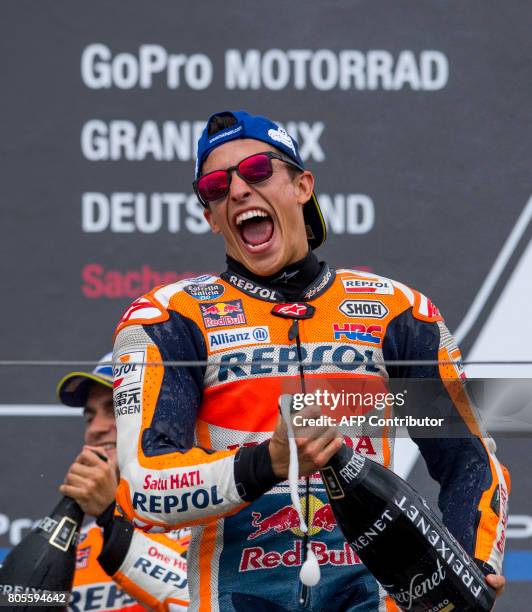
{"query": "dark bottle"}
pixel 400 539
pixel 45 559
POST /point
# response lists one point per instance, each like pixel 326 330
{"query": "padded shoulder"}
pixel 363 282
pixel 422 307
pixel 153 307
pixel 360 281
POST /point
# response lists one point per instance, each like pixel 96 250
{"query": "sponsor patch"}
pixel 281 135
pixel 425 310
pixel 433 310
pixel 296 310
pixel 129 369
pixel 205 292
pixel 223 314
pixel 174 481
pixel 287 519
pixel 257 558
pixel 250 288
pixel 47 524
pixel 362 285
pixel 358 332
pixel 82 557
pixel 200 279
pixel 200 498
pixel 363 309
pixel 275 360
pixel 456 357
pixel 127 401
pixel 245 335
pixel 320 286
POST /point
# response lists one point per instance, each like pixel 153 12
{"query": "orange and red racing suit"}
pixel 147 571
pixel 193 446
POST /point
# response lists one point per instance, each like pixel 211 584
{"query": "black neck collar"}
pixel 302 280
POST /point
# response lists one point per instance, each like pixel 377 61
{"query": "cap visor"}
pixel 72 389
pixel 314 222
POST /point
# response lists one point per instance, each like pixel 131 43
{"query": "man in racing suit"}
pixel 208 448
pixel 117 567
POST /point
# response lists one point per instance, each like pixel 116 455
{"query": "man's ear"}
pixel 210 220
pixel 304 184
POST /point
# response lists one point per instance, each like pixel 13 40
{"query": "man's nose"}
pixel 100 424
pixel 238 189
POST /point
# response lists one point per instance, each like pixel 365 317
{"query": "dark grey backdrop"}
pixel 440 158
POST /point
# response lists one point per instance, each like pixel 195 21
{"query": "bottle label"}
pixel 47 524
pixel 334 489
pixel 64 533
pixel 373 532
pixel 420 585
pixel 352 468
pixel 455 558
pixel 337 478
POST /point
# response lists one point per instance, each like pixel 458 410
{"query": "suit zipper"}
pixel 293 334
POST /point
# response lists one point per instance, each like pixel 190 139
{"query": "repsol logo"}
pixel 250 288
pixel 159 572
pixel 158 504
pixel 101 597
pixel 274 360
pixel 124 369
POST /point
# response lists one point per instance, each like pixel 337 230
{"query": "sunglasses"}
pixel 253 169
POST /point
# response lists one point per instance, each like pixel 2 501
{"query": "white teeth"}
pixel 108 446
pixel 249 214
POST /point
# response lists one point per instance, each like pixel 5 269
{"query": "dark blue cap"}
pixel 73 389
pixel 264 129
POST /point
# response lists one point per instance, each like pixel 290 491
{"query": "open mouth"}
pixel 256 227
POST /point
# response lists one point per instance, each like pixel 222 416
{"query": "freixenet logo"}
pixel 101 282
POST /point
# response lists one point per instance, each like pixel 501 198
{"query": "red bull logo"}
pixel 256 558
pixel 287 519
pixel 223 314
pixel 323 518
pixel 284 519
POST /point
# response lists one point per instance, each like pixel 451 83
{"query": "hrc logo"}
pixel 358 331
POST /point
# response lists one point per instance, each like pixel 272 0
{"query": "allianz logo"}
pixel 238 337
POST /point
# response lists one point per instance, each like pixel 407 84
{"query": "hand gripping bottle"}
pixel 400 539
pixel 45 559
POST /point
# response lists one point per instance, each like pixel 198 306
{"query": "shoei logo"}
pixel 364 309
pixel 281 135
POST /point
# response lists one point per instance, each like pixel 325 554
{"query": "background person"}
pixel 117 567
pixel 278 315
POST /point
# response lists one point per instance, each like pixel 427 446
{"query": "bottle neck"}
pixel 345 470
pixel 68 507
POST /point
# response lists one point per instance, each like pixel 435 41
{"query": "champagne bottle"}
pixel 45 559
pixel 400 539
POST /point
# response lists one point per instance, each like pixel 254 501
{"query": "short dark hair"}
pixel 220 122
